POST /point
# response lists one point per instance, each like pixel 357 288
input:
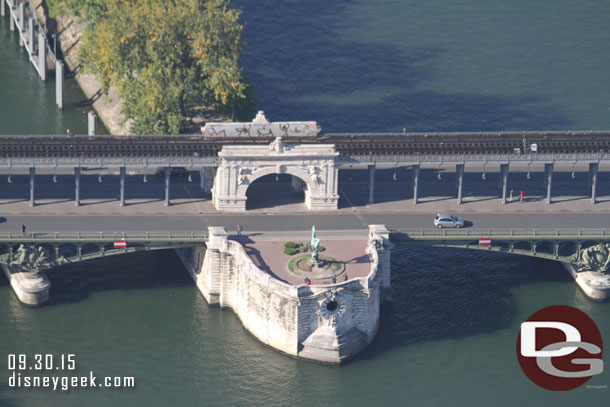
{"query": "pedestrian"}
pixel 307 281
pixel 239 229
pixel 510 199
pixel 334 279
pixel 521 196
pixel 345 277
pixel 23 229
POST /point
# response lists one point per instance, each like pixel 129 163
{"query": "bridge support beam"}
pixel 593 169
pixel 548 176
pixel 76 186
pixel 415 182
pixel 504 180
pixel 371 184
pixel 122 194
pixel 459 170
pixel 168 173
pixel 32 185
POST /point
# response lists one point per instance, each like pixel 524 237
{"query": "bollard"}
pixel 91 124
pixel 59 84
pixel 42 56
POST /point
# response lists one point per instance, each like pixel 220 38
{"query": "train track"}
pixel 346 144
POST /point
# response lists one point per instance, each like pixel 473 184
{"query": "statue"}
pixel 313 173
pixel 594 258
pixel 315 245
pixel 277 145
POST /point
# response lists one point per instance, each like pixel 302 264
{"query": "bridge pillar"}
pixel 371 184
pixel 76 186
pixel 2 4
pixel 91 119
pixel 59 84
pixel 31 35
pixel 32 184
pixel 21 21
pixel 504 180
pixel 593 169
pixel 42 56
pixel 548 176
pixel 167 178
pixel 459 169
pixel 415 182
pixel 12 22
pixel 122 196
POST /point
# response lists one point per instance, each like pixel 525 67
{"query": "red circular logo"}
pixel 560 348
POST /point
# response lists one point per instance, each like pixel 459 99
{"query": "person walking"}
pixel 510 199
pixel 521 196
pixel 239 229
pixel 22 229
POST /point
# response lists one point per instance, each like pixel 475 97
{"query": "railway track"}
pixel 346 144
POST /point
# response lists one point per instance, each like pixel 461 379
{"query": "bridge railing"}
pixel 105 236
pixel 425 234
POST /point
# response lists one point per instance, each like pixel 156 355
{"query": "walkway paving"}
pixel 269 256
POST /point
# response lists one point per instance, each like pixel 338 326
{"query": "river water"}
pixel 449 336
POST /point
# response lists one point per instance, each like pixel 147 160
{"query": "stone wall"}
pixel 329 323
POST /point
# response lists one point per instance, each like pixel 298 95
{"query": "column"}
pixel 32 184
pixel 30 43
pixel 415 182
pixel 76 186
pixel 459 170
pixel 59 84
pixel 122 197
pixel 167 177
pixel 21 22
pixel 593 169
pixel 91 123
pixel 10 17
pixel 371 184
pixel 2 4
pixel 548 171
pixel 42 56
pixel 504 180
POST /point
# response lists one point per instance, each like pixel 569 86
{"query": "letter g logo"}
pixel 555 344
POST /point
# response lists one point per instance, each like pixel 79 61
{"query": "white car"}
pixel 445 220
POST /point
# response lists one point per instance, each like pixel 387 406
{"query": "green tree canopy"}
pixel 167 58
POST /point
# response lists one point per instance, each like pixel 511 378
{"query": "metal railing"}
pixel 151 236
pixel 460 234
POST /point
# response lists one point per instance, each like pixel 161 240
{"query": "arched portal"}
pixel 311 166
pixel 275 190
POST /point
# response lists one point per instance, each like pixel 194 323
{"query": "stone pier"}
pixel 595 285
pixel 31 288
pixel 323 323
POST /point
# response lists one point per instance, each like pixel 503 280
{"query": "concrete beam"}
pixel 415 182
pixel 371 184
pixel 459 171
pixel 504 180
pixel 32 185
pixel 548 176
pixel 76 186
pixel 593 169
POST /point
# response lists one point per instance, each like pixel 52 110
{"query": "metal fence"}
pixel 105 236
pixel 424 234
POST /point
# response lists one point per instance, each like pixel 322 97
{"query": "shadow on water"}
pixel 315 73
pixel 435 299
pixel 144 270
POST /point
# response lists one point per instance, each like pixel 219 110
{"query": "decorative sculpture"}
pixel 277 145
pixel 596 258
pixel 315 245
pixel 31 258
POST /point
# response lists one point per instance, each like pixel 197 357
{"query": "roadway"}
pixel 296 222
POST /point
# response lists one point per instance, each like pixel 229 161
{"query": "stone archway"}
pixel 276 190
pixel 240 166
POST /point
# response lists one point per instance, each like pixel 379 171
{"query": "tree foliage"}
pixel 167 58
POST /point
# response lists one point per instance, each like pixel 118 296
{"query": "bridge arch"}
pixel 240 166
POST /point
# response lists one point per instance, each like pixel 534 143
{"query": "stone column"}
pixel 168 173
pixel 32 184
pixel 59 84
pixel 21 21
pixel 548 171
pixel 459 170
pixel 122 174
pixel 42 56
pixel 593 169
pixel 77 186
pixel 2 7
pixel 371 184
pixel 12 22
pixel 31 35
pixel 415 182
pixel 91 118
pixel 504 180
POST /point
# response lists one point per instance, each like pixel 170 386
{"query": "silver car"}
pixel 445 220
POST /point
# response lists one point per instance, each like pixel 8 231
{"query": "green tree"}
pixel 168 58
